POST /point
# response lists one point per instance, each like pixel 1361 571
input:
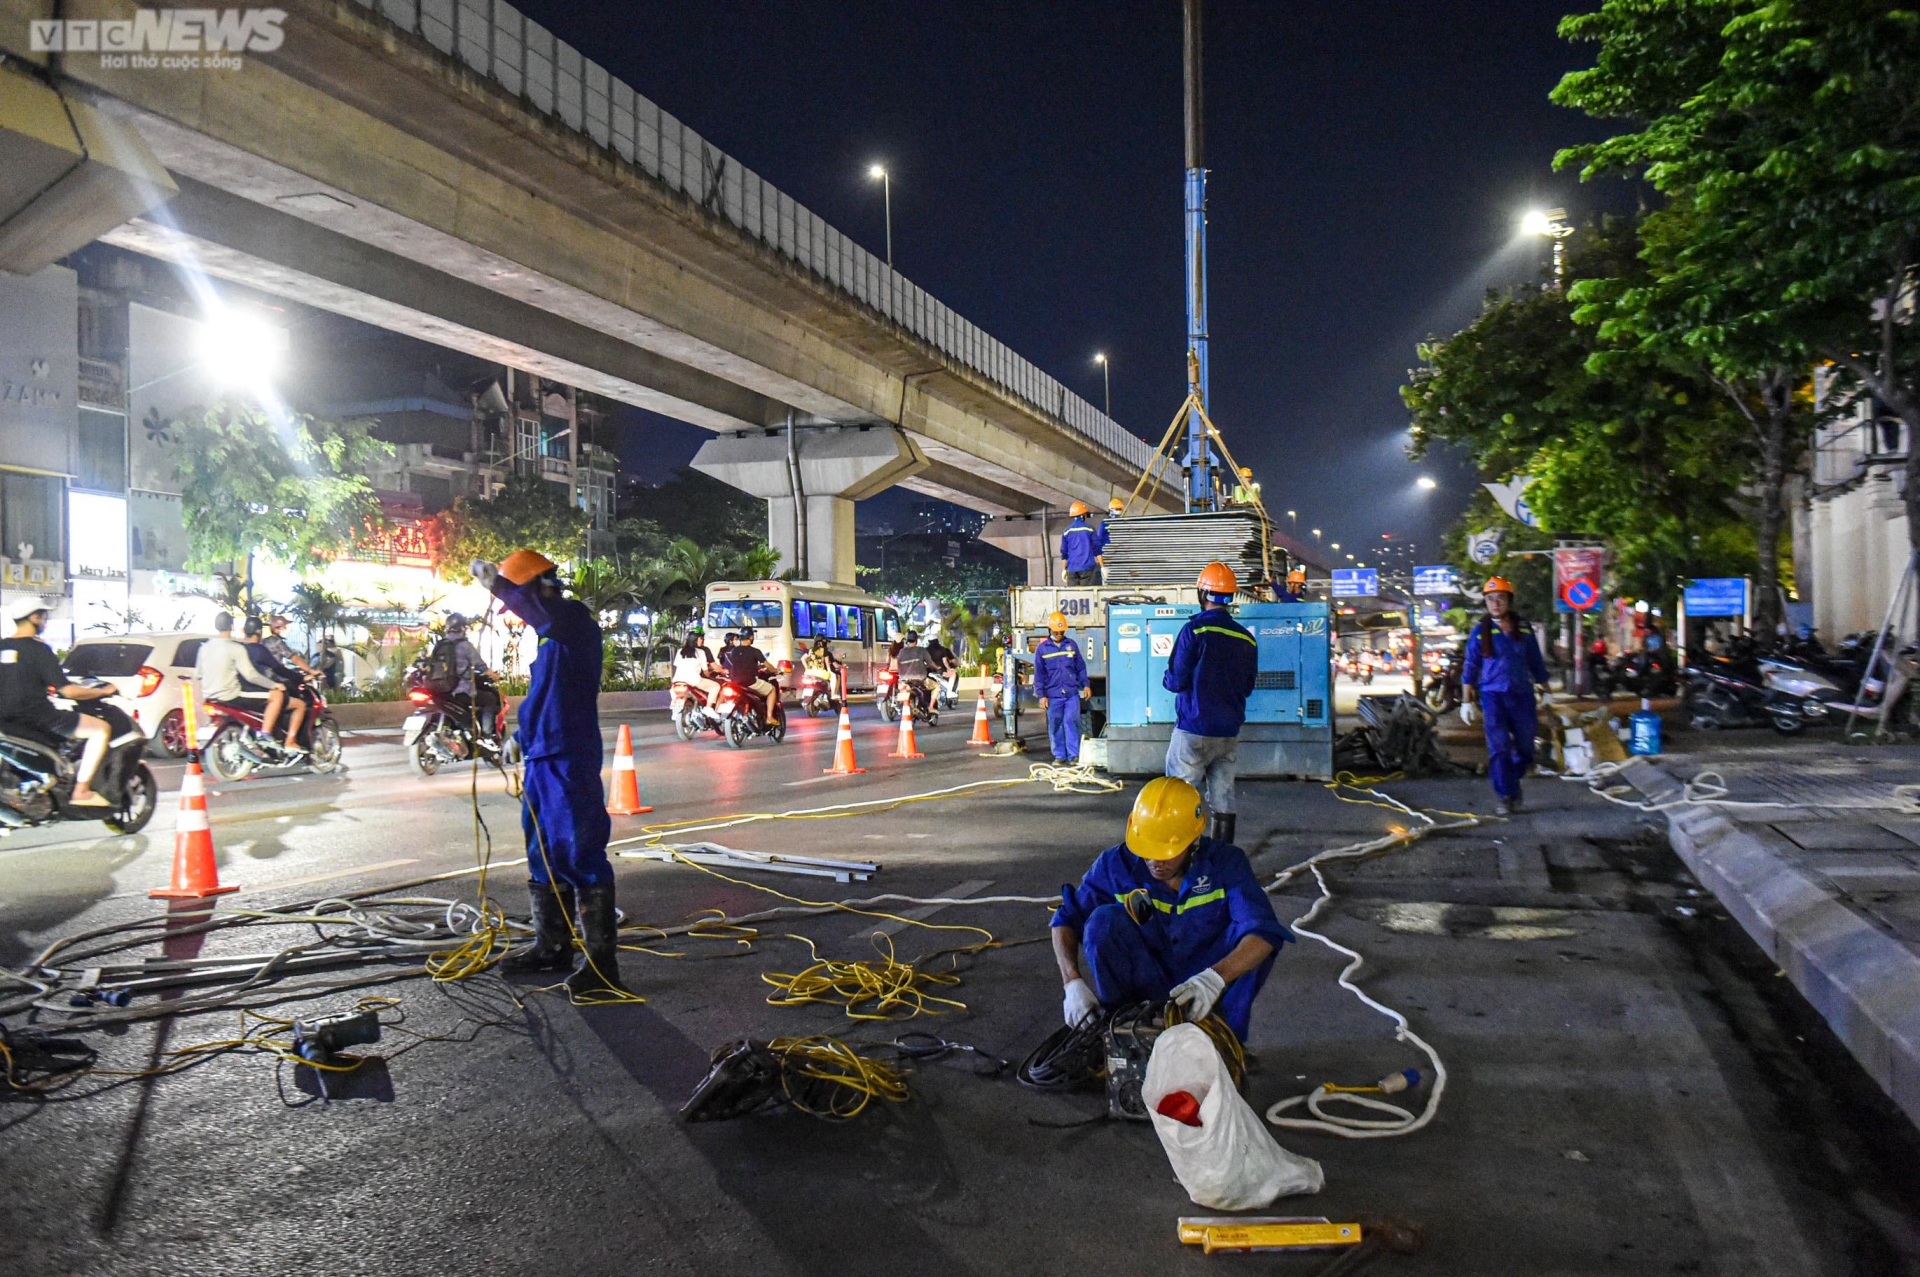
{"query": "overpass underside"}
pixel 359 170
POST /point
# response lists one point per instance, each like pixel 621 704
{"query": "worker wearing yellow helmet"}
pixel 1503 666
pixel 1080 547
pixel 1169 914
pixel 1115 509
pixel 1210 674
pixel 563 806
pixel 1060 681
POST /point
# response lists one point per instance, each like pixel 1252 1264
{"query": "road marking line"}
pixel 278 883
pixel 970 888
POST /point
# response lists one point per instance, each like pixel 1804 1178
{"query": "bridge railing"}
pixel 524 58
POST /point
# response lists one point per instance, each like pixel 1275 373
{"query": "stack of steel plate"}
pixel 1171 549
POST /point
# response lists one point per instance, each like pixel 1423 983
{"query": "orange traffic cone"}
pixel 843 760
pixel 195 875
pixel 907 747
pixel 982 725
pixel 626 782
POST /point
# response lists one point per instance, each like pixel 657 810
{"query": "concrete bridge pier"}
pixel 821 470
pixel 1033 537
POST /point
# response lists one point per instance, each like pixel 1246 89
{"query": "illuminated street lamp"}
pixel 879 173
pixel 1106 379
pixel 1553 224
pixel 1426 483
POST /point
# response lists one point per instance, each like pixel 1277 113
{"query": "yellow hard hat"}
pixel 1165 820
pixel 523 566
pixel 1057 622
pixel 1116 505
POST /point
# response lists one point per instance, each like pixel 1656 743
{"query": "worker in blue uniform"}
pixel 1503 666
pixel 1080 547
pixel 564 807
pixel 1211 675
pixel 1169 915
pixel 1295 589
pixel 1115 508
pixel 1060 681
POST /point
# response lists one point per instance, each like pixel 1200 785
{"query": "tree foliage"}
pixel 527 513
pixel 287 485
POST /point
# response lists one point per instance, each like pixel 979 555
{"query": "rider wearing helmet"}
pixel 563 806
pixel 1503 665
pixel 1168 915
pixel 1060 681
pixel 1080 547
pixel 1211 675
pixel 29 674
pixel 267 663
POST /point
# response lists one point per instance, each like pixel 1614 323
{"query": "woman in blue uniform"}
pixel 1502 668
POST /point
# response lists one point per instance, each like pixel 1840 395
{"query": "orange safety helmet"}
pixel 1497 585
pixel 1297 577
pixel 1116 506
pixel 1057 622
pixel 1077 509
pixel 1218 578
pixel 523 566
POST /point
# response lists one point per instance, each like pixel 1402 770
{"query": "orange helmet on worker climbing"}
pixel 1297 577
pixel 1166 818
pixel 1218 578
pixel 1077 509
pixel 1497 585
pixel 1057 622
pixel 1116 506
pixel 523 566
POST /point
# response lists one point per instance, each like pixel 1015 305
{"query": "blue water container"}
pixel 1644 737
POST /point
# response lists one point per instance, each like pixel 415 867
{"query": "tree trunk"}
pixel 1777 398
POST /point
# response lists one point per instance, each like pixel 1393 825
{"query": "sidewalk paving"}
pixel 1816 851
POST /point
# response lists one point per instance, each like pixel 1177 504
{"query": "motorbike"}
pixel 886 694
pixel 692 712
pixel 745 714
pixel 36 776
pixel 1442 692
pixel 439 731
pixel 819 692
pixel 1716 700
pixel 919 701
pixel 947 695
pixel 236 747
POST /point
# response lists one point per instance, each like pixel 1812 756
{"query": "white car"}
pixel 149 670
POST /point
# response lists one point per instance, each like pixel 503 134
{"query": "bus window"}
pixel 802 620
pixel 849 621
pixel 759 614
pixel 823 619
pixel 889 625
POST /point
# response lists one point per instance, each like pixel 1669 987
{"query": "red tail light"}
pixel 150 680
pixel 729 693
pixel 420 696
pixel 786 667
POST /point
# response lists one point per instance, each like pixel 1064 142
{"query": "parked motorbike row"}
pixel 1788 688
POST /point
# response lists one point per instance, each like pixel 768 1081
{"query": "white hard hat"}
pixel 25 606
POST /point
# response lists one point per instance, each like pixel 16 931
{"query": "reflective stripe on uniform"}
pixel 1078 527
pixel 1217 893
pixel 1065 651
pixel 1220 629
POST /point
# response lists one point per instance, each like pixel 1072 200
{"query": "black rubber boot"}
pixel 552 947
pixel 597 974
pixel 1221 828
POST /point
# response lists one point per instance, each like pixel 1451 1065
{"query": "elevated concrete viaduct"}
pixel 445 168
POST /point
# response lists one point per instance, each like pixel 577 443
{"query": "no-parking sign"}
pixel 1576 579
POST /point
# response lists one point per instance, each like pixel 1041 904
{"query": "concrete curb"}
pixel 1863 982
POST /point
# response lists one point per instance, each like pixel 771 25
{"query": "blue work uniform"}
pixel 1138 955
pixel 1106 536
pixel 564 810
pixel 1210 675
pixel 1059 672
pixel 1080 546
pixel 1505 676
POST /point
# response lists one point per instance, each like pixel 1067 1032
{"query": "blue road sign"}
pixel 1355 583
pixel 1438 579
pixel 1717 596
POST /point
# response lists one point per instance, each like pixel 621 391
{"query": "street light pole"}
pixel 1106 380
pixel 879 172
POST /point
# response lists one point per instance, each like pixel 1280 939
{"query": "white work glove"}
pixel 483 572
pixel 1469 713
pixel 1080 1004
pixel 1199 994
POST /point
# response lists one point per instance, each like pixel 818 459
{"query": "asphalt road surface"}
pixel 1631 1089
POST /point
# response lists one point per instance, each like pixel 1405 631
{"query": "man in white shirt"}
pixel 226 675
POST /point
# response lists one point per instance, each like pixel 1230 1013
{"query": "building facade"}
pixel 1851 542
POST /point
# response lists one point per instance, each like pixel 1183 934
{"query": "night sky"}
pixel 1368 164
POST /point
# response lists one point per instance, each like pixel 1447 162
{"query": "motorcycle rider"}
pixel 824 665
pixel 564 812
pixel 748 667
pixel 224 674
pixel 1503 667
pixel 693 665
pixel 913 664
pixel 267 663
pixel 946 669
pixel 29 674
pixel 283 651
pixel 463 661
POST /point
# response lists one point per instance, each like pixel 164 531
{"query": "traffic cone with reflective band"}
pixel 907 748
pixel 982 725
pixel 195 875
pixel 843 761
pixel 626 782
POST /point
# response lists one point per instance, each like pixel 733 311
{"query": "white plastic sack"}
pixel 1230 1161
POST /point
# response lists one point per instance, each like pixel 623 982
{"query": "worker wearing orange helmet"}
pixel 1060 681
pixel 1295 589
pixel 1211 675
pixel 1080 547
pixel 1503 666
pixel 563 808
